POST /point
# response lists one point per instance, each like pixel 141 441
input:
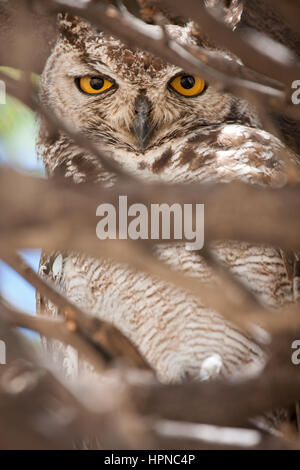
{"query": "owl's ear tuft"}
pixel 72 27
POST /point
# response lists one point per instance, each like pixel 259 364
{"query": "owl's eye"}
pixel 94 85
pixel 188 85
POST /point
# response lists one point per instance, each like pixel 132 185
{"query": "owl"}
pixel 159 123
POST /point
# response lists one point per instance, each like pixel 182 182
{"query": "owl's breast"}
pixel 176 333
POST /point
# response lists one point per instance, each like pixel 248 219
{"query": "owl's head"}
pixel 128 98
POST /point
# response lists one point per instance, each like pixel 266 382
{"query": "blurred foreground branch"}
pixel 128 408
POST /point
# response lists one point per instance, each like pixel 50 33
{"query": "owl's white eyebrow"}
pixel 81 67
pixel 82 70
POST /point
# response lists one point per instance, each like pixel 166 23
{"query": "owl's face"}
pixel 127 98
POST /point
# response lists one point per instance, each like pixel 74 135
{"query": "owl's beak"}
pixel 142 124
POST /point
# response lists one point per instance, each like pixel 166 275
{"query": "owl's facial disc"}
pixel 127 99
pixel 138 112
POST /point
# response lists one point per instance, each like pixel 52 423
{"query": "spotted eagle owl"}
pixel 158 122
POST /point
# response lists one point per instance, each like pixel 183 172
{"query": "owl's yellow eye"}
pixel 188 85
pixel 94 85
